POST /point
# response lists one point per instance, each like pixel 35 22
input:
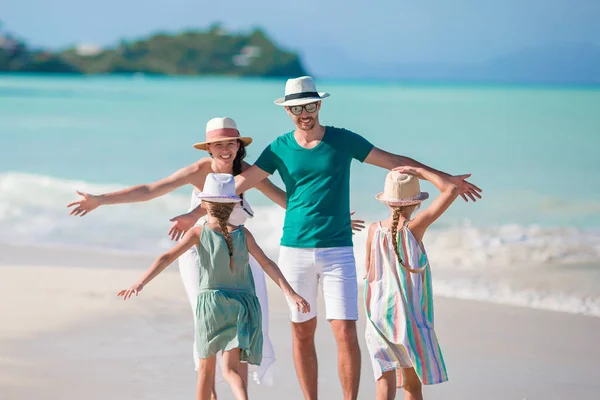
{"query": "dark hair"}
pixel 237 161
pixel 239 157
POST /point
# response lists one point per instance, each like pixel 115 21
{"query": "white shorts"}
pixel 334 267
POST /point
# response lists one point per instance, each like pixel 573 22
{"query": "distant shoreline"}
pixel 330 80
pixel 214 51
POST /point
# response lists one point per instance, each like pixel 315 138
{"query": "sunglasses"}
pixel 310 108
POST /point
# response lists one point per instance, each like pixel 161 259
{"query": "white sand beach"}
pixel 64 335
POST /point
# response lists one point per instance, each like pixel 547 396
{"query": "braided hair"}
pixel 222 211
pixel 396 212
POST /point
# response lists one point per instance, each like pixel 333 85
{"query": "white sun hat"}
pixel 401 190
pixel 219 188
pixel 300 91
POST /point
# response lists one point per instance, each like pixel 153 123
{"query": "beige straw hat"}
pixel 221 129
pixel 401 190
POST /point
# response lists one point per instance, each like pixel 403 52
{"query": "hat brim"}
pixel 299 102
pixel 403 202
pixel 219 199
pixel 204 145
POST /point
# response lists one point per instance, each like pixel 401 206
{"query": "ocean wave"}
pixel 33 211
pixel 511 264
pixel 481 289
pixel 469 247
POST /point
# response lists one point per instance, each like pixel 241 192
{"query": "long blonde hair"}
pixel 222 211
pixel 406 212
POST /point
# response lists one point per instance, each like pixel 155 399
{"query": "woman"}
pixel 226 149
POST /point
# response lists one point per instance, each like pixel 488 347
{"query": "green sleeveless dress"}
pixel 228 312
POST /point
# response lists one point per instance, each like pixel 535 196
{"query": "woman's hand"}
pixel 88 203
pixel 181 224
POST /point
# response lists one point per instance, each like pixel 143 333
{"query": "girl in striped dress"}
pixel 398 298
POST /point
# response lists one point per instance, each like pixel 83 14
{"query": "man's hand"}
pixel 467 189
pixel 357 224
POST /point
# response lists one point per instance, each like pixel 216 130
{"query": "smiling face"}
pixel 224 152
pixel 305 117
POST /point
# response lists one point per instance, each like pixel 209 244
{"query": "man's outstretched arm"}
pixel 391 161
pixel 249 179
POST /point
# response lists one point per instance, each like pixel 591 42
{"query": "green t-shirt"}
pixel 317 182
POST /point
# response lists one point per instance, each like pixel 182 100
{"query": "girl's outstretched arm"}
pixel 275 273
pixel 190 239
pixel 449 191
pixel 394 162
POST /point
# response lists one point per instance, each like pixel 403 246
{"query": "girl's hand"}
pixel 301 304
pixel 134 289
pixel 85 205
pixel 408 170
pixel 357 224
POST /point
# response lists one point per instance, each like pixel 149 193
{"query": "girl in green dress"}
pixel 228 316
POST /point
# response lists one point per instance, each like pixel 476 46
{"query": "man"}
pixel 316 246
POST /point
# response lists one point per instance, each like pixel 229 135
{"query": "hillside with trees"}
pixel 210 52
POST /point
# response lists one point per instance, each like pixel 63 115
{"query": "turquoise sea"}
pixel 535 151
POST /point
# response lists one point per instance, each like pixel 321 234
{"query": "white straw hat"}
pixel 299 91
pixel 219 188
pixel 401 190
pixel 221 129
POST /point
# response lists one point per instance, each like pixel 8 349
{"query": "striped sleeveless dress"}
pixel 399 309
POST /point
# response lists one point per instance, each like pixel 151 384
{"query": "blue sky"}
pixel 425 31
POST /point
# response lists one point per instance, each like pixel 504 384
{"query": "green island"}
pixel 211 52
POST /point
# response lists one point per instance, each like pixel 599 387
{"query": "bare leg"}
pixel 206 378
pixel 213 394
pixel 413 390
pixel 348 356
pixel 386 386
pixel 305 357
pixel 243 372
pixel 231 363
